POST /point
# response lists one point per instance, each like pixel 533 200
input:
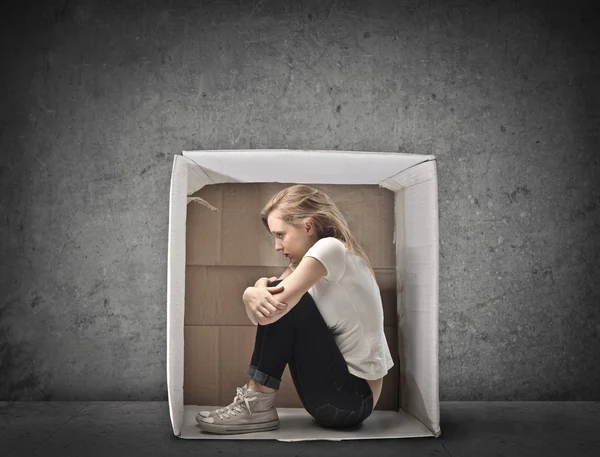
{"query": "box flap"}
pixel 176 288
pixel 299 166
pixel 418 286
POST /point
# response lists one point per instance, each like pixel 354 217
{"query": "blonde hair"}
pixel 299 202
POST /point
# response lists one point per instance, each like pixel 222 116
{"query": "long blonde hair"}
pixel 299 202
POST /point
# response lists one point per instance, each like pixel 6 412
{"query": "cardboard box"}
pixel 218 247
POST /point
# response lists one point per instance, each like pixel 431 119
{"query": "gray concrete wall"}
pixel 97 97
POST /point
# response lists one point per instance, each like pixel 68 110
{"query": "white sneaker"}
pixel 202 414
pixel 251 411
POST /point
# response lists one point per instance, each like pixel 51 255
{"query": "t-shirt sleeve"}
pixel 331 252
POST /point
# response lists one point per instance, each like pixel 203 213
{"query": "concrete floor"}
pixel 144 428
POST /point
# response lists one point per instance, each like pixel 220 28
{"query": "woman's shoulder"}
pixel 331 240
pixel 332 246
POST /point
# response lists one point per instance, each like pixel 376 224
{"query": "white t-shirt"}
pixel 349 300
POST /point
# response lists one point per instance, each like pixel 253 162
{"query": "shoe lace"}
pixel 241 399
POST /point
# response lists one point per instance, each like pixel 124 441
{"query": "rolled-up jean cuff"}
pixel 263 378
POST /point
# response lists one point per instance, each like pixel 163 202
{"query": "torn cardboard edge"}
pixel 203 202
pixel 414 183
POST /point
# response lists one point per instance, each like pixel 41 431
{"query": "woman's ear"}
pixel 310 227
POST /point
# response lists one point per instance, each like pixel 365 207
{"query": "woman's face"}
pixel 291 240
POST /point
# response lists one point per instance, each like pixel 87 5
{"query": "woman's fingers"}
pixel 260 315
pixel 279 305
pixel 268 313
pixel 271 308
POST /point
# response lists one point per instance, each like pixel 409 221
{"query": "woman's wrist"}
pixel 262 282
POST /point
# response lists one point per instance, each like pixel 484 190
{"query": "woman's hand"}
pixel 264 282
pixel 261 304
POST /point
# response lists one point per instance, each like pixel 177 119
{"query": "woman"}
pixel 323 317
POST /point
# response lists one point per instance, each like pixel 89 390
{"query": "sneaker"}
pixel 251 411
pixel 202 414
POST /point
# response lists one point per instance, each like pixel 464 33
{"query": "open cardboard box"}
pixel 218 247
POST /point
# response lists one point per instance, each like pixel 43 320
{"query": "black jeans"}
pixel 301 339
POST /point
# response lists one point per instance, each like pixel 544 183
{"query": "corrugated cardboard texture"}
pixel 229 249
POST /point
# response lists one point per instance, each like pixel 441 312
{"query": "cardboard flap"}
pixel 176 289
pixel 300 166
pixel 419 300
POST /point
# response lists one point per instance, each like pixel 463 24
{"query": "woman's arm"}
pixel 308 272
pixel 286 273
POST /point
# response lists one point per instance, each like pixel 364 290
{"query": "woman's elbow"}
pixel 290 299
